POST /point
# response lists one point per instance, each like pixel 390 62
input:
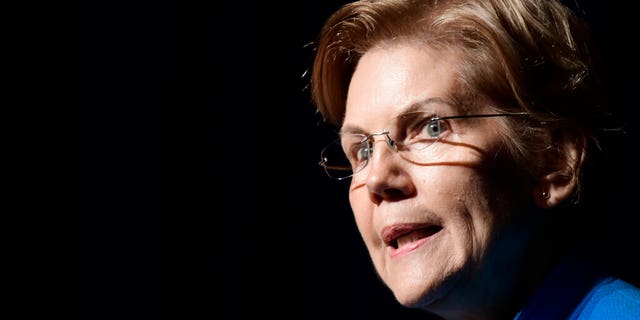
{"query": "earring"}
pixel 545 195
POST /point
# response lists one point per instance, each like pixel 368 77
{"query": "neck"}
pixel 522 255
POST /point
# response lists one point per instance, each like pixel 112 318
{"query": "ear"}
pixel 562 179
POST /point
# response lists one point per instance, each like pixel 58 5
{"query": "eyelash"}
pixel 424 125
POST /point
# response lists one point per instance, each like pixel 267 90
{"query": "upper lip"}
pixel 392 232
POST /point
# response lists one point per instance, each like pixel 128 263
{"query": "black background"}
pixel 197 190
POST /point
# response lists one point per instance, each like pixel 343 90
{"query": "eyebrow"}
pixel 418 106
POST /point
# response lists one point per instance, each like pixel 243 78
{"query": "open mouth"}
pixel 400 235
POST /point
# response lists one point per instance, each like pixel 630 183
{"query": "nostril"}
pixel 393 194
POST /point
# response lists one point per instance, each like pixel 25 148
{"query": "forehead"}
pixel 391 79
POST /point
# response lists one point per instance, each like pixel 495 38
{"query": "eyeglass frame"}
pixel 391 143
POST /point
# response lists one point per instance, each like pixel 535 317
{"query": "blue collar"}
pixel 563 291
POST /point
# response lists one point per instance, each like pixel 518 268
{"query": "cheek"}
pixel 460 196
pixel 361 208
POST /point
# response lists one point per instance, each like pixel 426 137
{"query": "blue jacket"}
pixel 577 290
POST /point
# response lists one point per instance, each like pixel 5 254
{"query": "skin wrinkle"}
pixel 451 206
pixel 388 171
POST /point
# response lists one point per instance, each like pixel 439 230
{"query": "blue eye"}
pixel 410 134
pixel 358 154
pixel 434 128
pixel 363 151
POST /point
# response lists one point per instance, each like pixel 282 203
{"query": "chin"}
pixel 414 302
pixel 416 296
pixel 426 295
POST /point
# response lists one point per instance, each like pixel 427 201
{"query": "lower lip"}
pixel 408 248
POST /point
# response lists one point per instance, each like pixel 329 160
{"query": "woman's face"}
pixel 426 224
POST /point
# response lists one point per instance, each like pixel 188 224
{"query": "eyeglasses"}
pixel 417 131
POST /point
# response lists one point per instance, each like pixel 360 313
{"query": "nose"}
pixel 387 177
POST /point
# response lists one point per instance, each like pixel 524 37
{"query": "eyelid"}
pixel 410 119
pixel 427 114
pixel 420 121
pixel 361 138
